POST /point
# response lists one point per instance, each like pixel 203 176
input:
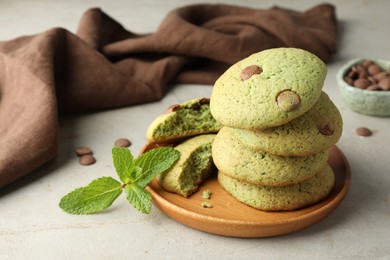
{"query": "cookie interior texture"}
pixel 261 168
pixel 313 132
pixel 268 89
pixel 188 119
pixel 281 198
pixel 194 166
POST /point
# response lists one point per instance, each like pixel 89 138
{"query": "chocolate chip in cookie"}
pixel 288 100
pixel 249 71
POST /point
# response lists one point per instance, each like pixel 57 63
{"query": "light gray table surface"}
pixel 32 226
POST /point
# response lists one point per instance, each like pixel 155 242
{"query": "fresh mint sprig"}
pixel 134 174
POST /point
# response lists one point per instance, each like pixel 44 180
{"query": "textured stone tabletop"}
pixel 32 226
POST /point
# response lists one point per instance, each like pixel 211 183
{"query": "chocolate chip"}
pixel 367 75
pixel 367 63
pixel 172 109
pixel 204 101
pixel 363 131
pixel 361 83
pixel 326 129
pixel 196 106
pixel 360 70
pixel 381 75
pixel 384 83
pixel 288 100
pixel 353 75
pixel 373 87
pixel 372 79
pixel 324 124
pixel 249 71
pixel 348 80
pixel 374 69
pixel 87 159
pixel 362 73
pixel 83 150
pixel 123 142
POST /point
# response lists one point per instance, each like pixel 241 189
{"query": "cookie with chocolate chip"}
pixel 315 131
pixel 183 120
pixel 262 168
pixel 268 89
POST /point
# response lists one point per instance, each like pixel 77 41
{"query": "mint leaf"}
pixel 135 175
pixel 139 198
pixel 123 163
pixel 155 162
pixel 96 196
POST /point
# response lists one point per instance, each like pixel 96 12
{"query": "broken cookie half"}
pixel 194 166
pixel 183 121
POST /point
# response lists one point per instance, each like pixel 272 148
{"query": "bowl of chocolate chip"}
pixel 365 86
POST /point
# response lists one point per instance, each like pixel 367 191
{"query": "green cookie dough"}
pixel 268 89
pixel 193 167
pixel 281 198
pixel 261 168
pixel 313 132
pixel 180 121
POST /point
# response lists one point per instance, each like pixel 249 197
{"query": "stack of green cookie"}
pixel 278 126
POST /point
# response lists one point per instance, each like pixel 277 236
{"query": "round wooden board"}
pixel 228 217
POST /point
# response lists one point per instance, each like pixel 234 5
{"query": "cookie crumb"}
pixel 363 131
pixel 206 194
pixel 206 205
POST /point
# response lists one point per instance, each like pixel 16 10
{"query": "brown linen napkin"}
pixel 106 66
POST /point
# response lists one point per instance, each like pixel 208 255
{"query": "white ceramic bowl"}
pixel 368 102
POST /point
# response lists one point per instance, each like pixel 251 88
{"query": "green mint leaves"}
pixel 139 198
pixel 98 195
pixel 135 174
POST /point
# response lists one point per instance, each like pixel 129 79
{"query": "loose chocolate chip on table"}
pixel 249 71
pixel 87 159
pixel 122 142
pixel 363 131
pixel 288 100
pixel 83 150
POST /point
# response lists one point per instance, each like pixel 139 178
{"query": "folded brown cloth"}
pixel 104 66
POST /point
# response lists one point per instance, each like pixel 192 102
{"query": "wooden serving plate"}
pixel 229 217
